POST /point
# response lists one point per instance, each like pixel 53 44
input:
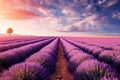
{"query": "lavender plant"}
pixel 94 70
pixel 77 60
pixel 27 71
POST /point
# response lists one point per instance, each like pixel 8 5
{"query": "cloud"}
pixel 18 14
pixel 116 15
pixel 88 24
pixel 22 9
pixel 69 15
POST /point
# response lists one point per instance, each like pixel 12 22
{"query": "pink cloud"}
pixel 18 14
pixel 22 9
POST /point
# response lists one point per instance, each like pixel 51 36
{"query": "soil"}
pixel 61 67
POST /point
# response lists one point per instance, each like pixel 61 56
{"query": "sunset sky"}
pixel 61 17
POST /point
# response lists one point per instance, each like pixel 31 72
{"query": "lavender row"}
pixel 111 46
pixel 87 48
pixel 46 56
pixel 26 71
pixel 111 57
pixel 14 38
pixel 74 55
pixel 106 43
pixel 117 48
pixel 38 66
pixel 20 40
pixel 85 67
pixel 16 55
pixel 19 44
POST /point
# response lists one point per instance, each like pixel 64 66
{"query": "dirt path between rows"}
pixel 61 67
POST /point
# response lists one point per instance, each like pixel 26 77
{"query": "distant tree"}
pixel 9 31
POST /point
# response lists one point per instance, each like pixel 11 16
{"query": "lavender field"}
pixel 59 58
pixel 59 39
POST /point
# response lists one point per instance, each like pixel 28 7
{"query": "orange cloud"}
pixel 20 9
pixel 17 14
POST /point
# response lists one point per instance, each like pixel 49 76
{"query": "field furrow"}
pixel 61 67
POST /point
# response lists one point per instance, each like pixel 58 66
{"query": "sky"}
pixel 61 17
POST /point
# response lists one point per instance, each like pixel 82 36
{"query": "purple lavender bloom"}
pixel 7 59
pixel 109 78
pixel 17 44
pixel 108 56
pixel 16 55
pixel 46 56
pixel 7 78
pixel 94 70
pixel 53 46
pixel 69 49
pixel 117 63
pixel 50 51
pixel 27 71
pixel 90 48
pixel 117 48
pixel 77 60
pixel 73 52
pixel 43 59
pixel 97 51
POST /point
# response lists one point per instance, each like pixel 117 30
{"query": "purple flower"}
pixel 46 56
pixel 73 52
pixel 27 71
pixel 90 48
pixel 97 51
pixel 49 51
pixel 108 56
pixel 117 63
pixel 109 78
pixel 117 48
pixel 16 55
pixel 43 59
pixel 77 60
pixel 94 70
pixel 7 78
